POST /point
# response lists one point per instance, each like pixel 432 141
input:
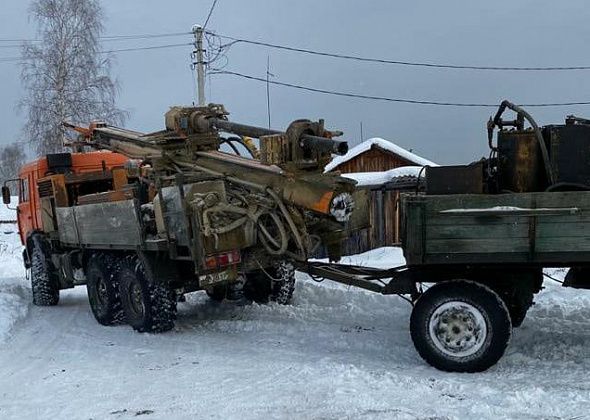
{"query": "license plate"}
pixel 214 278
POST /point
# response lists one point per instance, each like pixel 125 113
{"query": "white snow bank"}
pixel 380 178
pixel 13 306
pixel 384 144
pixel 13 290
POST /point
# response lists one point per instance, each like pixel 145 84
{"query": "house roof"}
pixel 376 179
pixel 383 144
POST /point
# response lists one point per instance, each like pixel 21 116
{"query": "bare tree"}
pixel 12 157
pixel 65 75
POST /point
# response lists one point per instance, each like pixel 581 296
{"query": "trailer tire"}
pixel 518 299
pixel 261 288
pixel 460 326
pixel 149 305
pixel 44 278
pixel 103 289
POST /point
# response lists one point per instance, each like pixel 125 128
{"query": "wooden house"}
pixel 384 170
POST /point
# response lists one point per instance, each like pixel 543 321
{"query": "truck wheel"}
pixel 149 306
pixel 460 326
pixel 262 289
pixel 217 293
pixel 44 280
pixel 103 290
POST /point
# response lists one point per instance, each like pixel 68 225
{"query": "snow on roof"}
pixel 365 179
pixel 382 143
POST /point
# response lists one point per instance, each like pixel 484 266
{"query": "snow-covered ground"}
pixel 335 353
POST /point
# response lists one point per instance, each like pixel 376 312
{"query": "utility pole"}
pixel 362 135
pixel 268 74
pixel 199 64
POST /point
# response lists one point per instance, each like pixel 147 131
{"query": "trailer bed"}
pixel 545 229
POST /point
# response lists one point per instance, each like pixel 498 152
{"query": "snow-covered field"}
pixel 335 353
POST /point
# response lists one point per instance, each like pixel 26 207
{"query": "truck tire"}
pixel 44 279
pixel 460 326
pixel 261 288
pixel 103 289
pixel 217 293
pixel 149 306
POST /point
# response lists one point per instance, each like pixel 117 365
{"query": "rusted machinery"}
pixel 170 212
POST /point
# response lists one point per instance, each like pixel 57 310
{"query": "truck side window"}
pixel 24 190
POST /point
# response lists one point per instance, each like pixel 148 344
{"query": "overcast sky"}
pixel 494 33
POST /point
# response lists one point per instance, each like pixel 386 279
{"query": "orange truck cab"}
pixel 29 204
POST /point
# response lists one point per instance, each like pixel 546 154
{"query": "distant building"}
pixel 384 170
pixel 376 155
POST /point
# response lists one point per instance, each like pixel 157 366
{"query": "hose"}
pixel 521 112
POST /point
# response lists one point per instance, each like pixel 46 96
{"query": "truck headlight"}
pixel 342 206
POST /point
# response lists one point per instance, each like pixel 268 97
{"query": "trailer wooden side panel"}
pixel 539 228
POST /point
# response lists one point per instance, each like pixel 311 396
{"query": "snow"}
pixel 384 144
pixel 13 292
pixel 380 178
pixel 337 352
pixel 508 209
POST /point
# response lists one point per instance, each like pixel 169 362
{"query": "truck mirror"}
pixel 6 194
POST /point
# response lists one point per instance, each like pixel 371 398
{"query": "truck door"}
pixel 25 211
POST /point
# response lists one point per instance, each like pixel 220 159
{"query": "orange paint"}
pixel 29 207
pixel 323 205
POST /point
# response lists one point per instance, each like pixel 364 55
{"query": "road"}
pixel 335 353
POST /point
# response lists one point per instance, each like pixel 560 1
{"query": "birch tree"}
pixel 12 157
pixel 65 75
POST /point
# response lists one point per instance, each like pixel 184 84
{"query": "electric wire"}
pixel 210 13
pixel 397 62
pixel 112 37
pixel 388 99
pixel 151 47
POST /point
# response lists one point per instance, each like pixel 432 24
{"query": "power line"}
pixel 387 99
pixel 15 40
pixel 108 38
pixel 142 36
pixel 397 62
pixel 152 47
pixel 210 13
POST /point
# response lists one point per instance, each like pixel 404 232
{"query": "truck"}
pixel 143 219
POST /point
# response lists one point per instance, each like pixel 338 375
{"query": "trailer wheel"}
pixel 103 289
pixel 518 298
pixel 460 326
pixel 261 288
pixel 44 279
pixel 149 306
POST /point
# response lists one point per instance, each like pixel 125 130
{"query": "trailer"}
pixel 477 237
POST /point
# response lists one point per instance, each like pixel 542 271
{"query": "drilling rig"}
pixel 147 218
